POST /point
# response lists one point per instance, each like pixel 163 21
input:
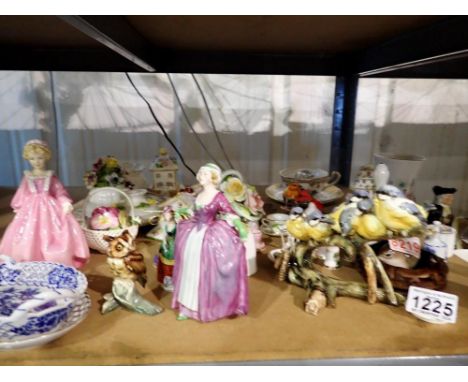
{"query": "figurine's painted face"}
pixel 38 161
pixel 168 216
pixel 204 177
pixel 446 199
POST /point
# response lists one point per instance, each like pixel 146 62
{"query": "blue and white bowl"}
pixel 36 296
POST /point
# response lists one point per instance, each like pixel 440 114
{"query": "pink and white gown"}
pixel 40 230
pixel 210 270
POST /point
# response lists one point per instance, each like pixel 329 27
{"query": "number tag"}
pixel 434 306
pixel 410 245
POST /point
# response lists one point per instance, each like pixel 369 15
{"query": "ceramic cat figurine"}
pixel 123 260
pixel 127 266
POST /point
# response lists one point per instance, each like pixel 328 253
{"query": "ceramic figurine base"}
pixel 125 294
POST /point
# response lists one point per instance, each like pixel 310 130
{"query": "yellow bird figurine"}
pixel 335 216
pixel 351 202
pixel 357 218
pixel 397 213
pixel 319 230
pixel 312 224
pixel 369 227
pixel 297 227
pixel 319 224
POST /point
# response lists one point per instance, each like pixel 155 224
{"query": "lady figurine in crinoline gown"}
pixel 210 272
pixel 43 228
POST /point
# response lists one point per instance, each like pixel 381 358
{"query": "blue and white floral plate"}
pixel 77 314
pixel 35 297
pixel 56 277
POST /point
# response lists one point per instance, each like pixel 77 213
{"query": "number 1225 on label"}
pixel 432 304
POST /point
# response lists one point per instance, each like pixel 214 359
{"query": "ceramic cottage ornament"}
pixel 43 227
pixel 210 270
pixel 365 179
pixel 127 266
pixel 164 171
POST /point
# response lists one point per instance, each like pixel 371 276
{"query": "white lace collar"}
pixel 30 178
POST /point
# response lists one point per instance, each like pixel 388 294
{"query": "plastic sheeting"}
pixel 420 117
pixel 265 123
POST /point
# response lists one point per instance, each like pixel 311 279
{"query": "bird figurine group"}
pixel 387 213
pixel 362 218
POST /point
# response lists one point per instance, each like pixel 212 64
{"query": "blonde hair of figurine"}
pixel 215 172
pixel 36 146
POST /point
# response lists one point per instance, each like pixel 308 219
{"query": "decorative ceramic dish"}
pixel 329 194
pixel 275 231
pixel 77 314
pixel 36 296
pixel 29 310
pixel 275 192
pixel 53 276
pixel 302 175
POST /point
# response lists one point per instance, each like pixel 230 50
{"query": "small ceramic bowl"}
pixel 36 296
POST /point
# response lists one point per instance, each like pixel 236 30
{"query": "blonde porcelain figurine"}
pixel 210 270
pixel 43 227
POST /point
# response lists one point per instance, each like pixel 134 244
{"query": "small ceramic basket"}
pixel 95 238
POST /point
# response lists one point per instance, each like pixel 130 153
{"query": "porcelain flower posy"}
pixel 233 186
pixel 244 198
pixel 254 201
pixel 105 218
pixel 106 172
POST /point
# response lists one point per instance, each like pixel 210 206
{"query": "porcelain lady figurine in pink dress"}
pixel 43 228
pixel 210 271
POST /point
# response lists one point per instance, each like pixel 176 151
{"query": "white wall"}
pixel 421 117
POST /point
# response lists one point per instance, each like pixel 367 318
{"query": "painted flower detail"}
pixel 105 218
pixel 253 200
pixel 106 172
pixel 111 162
pixel 90 179
pixel 234 189
pixel 113 179
pixel 98 165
